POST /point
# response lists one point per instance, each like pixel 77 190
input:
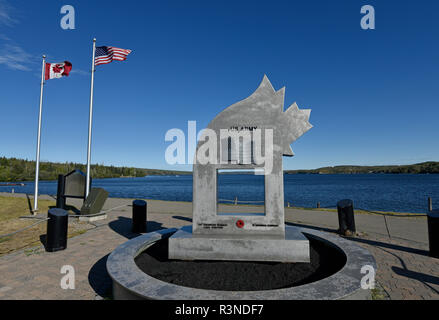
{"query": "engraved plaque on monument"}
pixel 253 134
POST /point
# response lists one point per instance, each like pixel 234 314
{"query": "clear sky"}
pixel 373 93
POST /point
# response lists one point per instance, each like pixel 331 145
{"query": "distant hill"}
pixel 424 167
pixel 12 169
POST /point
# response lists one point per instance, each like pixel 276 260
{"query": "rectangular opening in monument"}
pixel 234 187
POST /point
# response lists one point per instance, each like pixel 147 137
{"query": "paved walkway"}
pixel 404 269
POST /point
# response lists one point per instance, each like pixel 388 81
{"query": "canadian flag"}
pixel 58 70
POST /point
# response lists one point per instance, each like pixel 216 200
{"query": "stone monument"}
pixel 254 135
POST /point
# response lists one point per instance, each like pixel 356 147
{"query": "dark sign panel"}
pixel 75 184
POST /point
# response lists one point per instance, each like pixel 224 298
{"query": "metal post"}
pixel 60 199
pixel 346 217
pixel 37 164
pixel 430 204
pixel 433 233
pixel 139 216
pixel 90 119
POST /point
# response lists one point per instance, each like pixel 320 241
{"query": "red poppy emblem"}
pixel 240 224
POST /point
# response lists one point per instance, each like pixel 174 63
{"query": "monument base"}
pixel 93 218
pixel 183 245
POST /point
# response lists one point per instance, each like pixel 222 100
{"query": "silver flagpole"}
pixel 90 118
pixel 37 166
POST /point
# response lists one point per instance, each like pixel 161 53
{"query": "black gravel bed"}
pixel 240 276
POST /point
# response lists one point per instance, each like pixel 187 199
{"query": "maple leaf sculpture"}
pixel 264 108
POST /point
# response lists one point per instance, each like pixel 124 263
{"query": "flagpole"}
pixel 90 119
pixel 37 165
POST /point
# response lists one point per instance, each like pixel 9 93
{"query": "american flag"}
pixel 104 55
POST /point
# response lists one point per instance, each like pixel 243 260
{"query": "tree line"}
pixel 13 169
pixel 16 170
pixel 418 168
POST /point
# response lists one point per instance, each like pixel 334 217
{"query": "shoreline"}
pixel 124 177
pixel 285 173
pixel 229 205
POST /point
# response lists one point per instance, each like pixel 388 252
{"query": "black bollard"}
pixel 139 216
pixel 56 237
pixel 346 219
pixel 433 232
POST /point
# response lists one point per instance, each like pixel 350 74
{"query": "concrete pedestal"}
pixel 294 247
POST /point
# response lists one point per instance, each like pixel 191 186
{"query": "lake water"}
pixel 383 192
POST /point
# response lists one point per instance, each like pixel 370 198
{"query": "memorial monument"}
pixel 253 135
pixel 303 263
pixel 71 185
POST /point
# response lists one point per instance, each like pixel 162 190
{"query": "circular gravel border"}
pixel 129 282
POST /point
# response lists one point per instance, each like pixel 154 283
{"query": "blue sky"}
pixel 373 93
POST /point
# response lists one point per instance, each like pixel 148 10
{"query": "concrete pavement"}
pixel 405 271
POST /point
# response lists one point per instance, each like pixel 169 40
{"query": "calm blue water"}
pixel 383 192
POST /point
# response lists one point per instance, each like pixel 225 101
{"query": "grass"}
pixel 11 209
pixel 378 293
